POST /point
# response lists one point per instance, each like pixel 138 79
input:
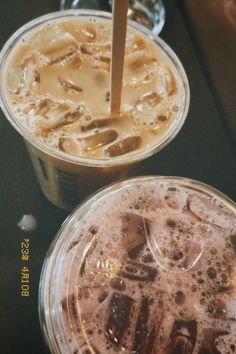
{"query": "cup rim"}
pixel 107 162
pixel 61 239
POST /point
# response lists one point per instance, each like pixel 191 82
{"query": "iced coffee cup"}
pixel 55 91
pixel 147 265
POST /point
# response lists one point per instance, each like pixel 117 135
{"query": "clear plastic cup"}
pixel 146 265
pixel 148 13
pixel 65 178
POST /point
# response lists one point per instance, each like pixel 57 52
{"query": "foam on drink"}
pixel 58 84
pixel 149 268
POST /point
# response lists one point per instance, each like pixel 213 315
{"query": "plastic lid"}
pixel 144 266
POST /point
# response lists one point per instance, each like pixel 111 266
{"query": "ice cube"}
pixel 40 40
pixel 75 114
pixel 70 146
pixel 56 111
pixel 98 122
pixel 87 34
pixel 88 299
pixel 85 117
pixel 166 81
pixel 139 68
pixel 192 254
pixel 147 101
pixel 141 62
pixel 118 320
pixel 55 44
pixel 101 63
pixel 52 114
pixel 138 271
pixel 150 112
pixel 141 329
pixel 97 139
pixel 182 337
pixel 31 78
pixel 134 230
pixel 97 49
pixel 173 255
pixel 134 44
pixel 139 44
pixel 36 58
pixel 83 33
pixel 124 145
pixel 174 199
pixel 70 86
pixel 25 78
pixel 40 60
pixel 155 324
pixel 98 55
pixel 61 49
pixel 71 59
pixel 206 210
pixel 15 80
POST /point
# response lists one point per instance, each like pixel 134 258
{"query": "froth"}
pixel 58 84
pixel 121 292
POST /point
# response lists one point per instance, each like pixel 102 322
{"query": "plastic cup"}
pixel 145 264
pixel 65 179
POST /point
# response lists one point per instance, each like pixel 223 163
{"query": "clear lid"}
pixel 144 266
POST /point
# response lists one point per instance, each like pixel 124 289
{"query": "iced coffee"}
pixel 57 86
pixel 147 266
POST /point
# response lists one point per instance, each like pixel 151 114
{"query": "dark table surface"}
pixel 204 150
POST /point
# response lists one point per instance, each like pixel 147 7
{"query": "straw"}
pixel 119 10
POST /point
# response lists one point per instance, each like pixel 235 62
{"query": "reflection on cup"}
pixel 104 289
pixel 55 90
pixel 147 13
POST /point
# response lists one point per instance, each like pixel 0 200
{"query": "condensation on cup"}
pixel 146 265
pixel 55 91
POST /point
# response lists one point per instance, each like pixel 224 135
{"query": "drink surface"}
pixel 58 85
pixel 149 270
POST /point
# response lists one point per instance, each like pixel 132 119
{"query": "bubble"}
pixel 180 298
pixel 217 309
pixel 124 145
pixel 211 272
pixel 213 251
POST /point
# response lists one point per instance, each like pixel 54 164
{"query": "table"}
pixel 204 150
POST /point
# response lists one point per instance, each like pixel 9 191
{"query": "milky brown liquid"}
pixel 58 84
pixel 151 270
